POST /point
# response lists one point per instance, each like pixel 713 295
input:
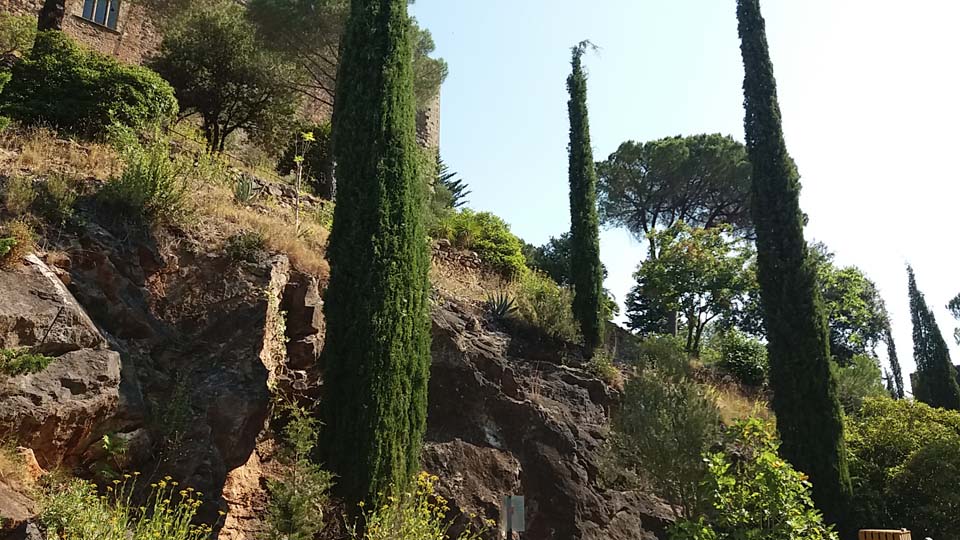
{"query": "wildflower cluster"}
pixel 416 514
pixel 77 511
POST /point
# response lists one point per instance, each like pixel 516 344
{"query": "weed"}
pixel 246 246
pixel 16 240
pixel 601 366
pixel 15 362
pixel 18 195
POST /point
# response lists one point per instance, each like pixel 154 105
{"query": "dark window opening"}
pixel 103 12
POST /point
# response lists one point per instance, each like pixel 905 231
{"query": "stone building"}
pixel 124 29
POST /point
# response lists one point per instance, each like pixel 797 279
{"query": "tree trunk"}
pixel 51 15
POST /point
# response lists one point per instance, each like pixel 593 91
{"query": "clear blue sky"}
pixel 869 91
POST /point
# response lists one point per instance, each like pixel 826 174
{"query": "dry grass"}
pixel 38 151
pixel 13 470
pixel 466 284
pixel 217 217
pixel 735 405
pixel 25 240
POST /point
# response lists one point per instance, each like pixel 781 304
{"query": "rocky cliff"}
pixel 177 351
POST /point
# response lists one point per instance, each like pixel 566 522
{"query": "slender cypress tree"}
pixel 896 372
pixel 377 352
pixel 586 272
pixel 809 416
pixel 936 376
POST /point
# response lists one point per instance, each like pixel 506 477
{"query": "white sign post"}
pixel 512 516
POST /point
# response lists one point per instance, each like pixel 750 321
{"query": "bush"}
pixel 665 424
pixel 153 184
pixel 417 514
pixel 17 33
pixel 857 381
pixel 753 493
pixel 486 234
pixel 743 357
pixel 246 246
pixel 546 305
pixel 15 362
pixel 76 512
pixel 904 459
pixel 56 199
pixel 16 241
pixel 84 92
pixel 298 496
pixel 18 195
pixel 601 366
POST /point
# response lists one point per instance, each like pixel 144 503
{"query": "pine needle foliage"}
pixel 585 269
pixel 809 416
pixel 896 373
pixel 936 376
pixel 377 351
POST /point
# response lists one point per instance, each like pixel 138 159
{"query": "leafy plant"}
pixel 56 199
pixel 415 514
pixel 486 234
pixel 858 381
pixel 743 357
pixel 246 246
pixel 666 422
pixel 316 165
pixel 17 33
pixel 299 495
pixel 601 365
pixel 501 305
pixel 77 90
pixel 153 184
pixel 22 361
pixel 244 191
pixel 75 511
pixel 6 246
pixel 546 305
pixel 18 194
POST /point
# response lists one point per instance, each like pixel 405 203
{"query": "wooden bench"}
pixel 878 534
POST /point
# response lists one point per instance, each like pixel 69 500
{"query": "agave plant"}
pixel 500 305
pixel 243 190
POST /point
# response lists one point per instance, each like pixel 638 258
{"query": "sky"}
pixel 868 91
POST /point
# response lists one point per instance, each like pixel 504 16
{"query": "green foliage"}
pixel 244 190
pixel 699 273
pixel 317 160
pixel 56 198
pixel 377 350
pixel 896 378
pixel 323 215
pixel 76 512
pixel 16 240
pixel 954 307
pixel 153 185
pixel 548 306
pixel 6 246
pixel 809 415
pixel 17 33
pixel 212 58
pixel 754 494
pixel 500 305
pixel 15 362
pixel 246 246
pixel 414 514
pixel 18 194
pixel 449 190
pixel 743 357
pixel 298 496
pixel 83 92
pixel 936 383
pixel 904 460
pixel 858 380
pixel 486 234
pixel 601 365
pixel 586 272
pixel 703 180
pixel 665 424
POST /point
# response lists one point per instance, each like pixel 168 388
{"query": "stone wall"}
pixel 134 40
pixel 428 124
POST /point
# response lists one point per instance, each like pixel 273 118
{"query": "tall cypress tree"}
pixel 897 374
pixel 936 376
pixel 586 272
pixel 377 352
pixel 809 416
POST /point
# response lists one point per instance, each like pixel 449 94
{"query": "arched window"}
pixel 102 12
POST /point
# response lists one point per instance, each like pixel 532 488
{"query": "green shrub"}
pixel 857 381
pixel 601 366
pixel 415 514
pixel 754 494
pixel 666 422
pixel 76 511
pixel 486 234
pixel 17 33
pixel 83 92
pixel 904 463
pixel 246 246
pixel 324 214
pixel 546 305
pixel 56 199
pixel 15 362
pixel 743 357
pixel 299 495
pixel 6 246
pixel 153 184
pixel 18 195
pixel 317 159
